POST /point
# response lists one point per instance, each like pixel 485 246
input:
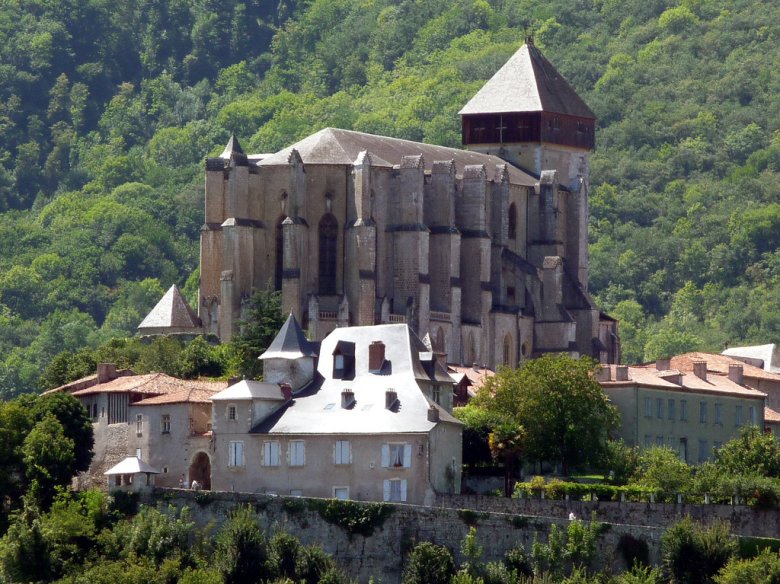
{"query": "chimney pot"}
pixel 347 398
pixel 106 372
pixel 286 391
pixel 604 374
pixel 621 373
pixel 391 396
pixel 663 364
pixel 376 355
pixel 736 373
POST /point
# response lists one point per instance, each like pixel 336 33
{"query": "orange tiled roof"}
pixel 771 415
pixel 720 364
pixel 192 395
pixel 476 378
pixel 85 382
pixel 151 383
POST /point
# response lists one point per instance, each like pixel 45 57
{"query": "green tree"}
pixel 556 399
pixel 661 468
pixel 241 550
pixel 693 553
pixel 49 459
pixel 76 425
pixel 263 320
pixel 763 569
pixel 753 452
pixel 429 563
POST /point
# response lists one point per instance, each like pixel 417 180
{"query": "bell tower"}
pixel 530 116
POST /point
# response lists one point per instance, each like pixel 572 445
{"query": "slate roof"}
pixel 290 343
pixel 317 408
pixel 172 311
pixel 528 82
pixel 247 389
pixel 767 354
pixel 342 147
pixel 131 465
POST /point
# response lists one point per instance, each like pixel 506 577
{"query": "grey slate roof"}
pixel 334 146
pixel 317 409
pixel 233 147
pixel 172 311
pixel 131 465
pixel 527 82
pixel 290 343
pixel 248 389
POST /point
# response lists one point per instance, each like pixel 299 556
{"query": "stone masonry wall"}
pixel 381 556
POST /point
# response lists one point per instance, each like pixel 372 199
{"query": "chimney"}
pixel 433 414
pixel 700 369
pixel 106 372
pixel 391 396
pixel 347 398
pixel 621 372
pixel 376 355
pixel 663 364
pixel 604 374
pixel 475 367
pixel 286 391
pixel 735 373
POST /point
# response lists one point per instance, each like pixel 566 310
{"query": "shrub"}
pixel 354 518
pixel 429 564
pixel 517 560
pixel 693 554
pixel 241 549
pixel 763 569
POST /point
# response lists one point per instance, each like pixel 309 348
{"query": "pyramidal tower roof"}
pixel 527 82
pixel 290 343
pixel 233 147
pixel 171 312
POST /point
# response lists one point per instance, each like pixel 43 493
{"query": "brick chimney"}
pixel 347 398
pixel 700 369
pixel 736 373
pixel 286 391
pixel 604 374
pixel 376 355
pixel 663 364
pixel 106 372
pixel 391 396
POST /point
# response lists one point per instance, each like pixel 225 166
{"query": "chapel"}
pixel 481 250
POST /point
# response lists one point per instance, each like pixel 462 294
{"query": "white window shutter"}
pixel 407 455
pixel 336 453
pixel 403 490
pixel 349 451
pixel 240 454
pixel 387 490
pixel 385 456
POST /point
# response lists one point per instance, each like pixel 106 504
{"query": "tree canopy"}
pixel 565 415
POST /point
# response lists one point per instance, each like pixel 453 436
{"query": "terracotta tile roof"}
pixel 85 382
pixel 771 415
pixel 152 384
pixel 196 395
pixel 648 376
pixel 719 364
pixel 476 378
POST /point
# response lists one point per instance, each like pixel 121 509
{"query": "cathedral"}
pixel 483 250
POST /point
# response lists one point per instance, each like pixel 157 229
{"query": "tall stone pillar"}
pixel 360 267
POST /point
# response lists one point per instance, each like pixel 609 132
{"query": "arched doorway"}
pixel 200 470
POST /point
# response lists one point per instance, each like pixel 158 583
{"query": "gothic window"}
pixel 508 350
pixel 328 231
pixel 279 268
pixel 439 345
pixel 512 221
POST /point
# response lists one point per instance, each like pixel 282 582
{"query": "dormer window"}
pixel 344 360
pixel 338 362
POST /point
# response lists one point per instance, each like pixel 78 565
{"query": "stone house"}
pixel 482 249
pixel 682 404
pixel 371 422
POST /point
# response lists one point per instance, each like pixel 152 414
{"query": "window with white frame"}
pixel 341 493
pixel 648 407
pixel 683 410
pixel 718 414
pixel 139 424
pixel 270 453
pixel 297 453
pixel 396 455
pixel 165 424
pixel 231 413
pixel 236 453
pixel 394 490
pixel 342 453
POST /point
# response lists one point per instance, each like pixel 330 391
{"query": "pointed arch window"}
pixel 328 237
pixel 512 221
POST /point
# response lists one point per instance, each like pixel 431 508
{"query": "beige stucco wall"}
pixel 637 427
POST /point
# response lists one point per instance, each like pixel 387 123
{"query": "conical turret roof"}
pixel 173 312
pixel 527 82
pixel 290 343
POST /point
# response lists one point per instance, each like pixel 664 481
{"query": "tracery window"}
pixel 328 232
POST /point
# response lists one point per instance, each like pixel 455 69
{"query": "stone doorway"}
pixel 200 470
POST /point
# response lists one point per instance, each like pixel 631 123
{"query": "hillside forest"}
pixel 108 109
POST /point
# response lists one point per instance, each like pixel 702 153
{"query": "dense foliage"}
pixel 107 113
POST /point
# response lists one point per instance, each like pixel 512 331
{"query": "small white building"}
pixel 132 474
